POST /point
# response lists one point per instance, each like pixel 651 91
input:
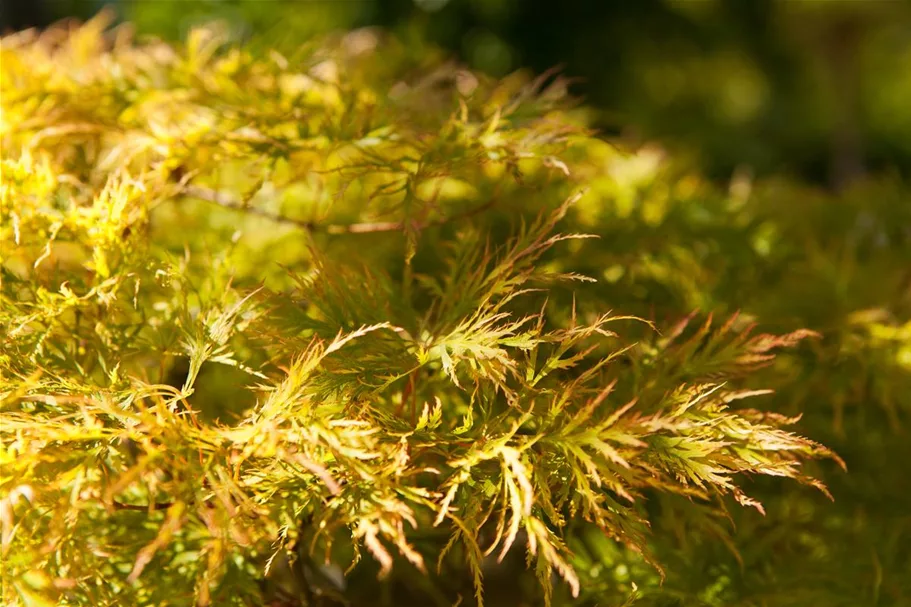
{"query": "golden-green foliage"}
pixel 264 314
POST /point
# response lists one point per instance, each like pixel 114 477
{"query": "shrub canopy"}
pixel 268 319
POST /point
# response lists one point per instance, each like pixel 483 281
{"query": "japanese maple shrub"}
pixel 324 329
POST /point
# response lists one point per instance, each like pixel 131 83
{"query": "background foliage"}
pixel 254 300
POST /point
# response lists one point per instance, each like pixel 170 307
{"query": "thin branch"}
pixel 228 201
pixel 140 507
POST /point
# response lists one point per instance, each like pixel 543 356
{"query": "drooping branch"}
pixel 229 202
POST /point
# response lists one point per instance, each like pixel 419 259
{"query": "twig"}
pixel 140 507
pixel 227 201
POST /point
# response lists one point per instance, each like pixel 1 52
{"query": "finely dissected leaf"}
pixel 262 316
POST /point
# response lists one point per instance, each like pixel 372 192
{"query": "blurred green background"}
pixel 814 90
